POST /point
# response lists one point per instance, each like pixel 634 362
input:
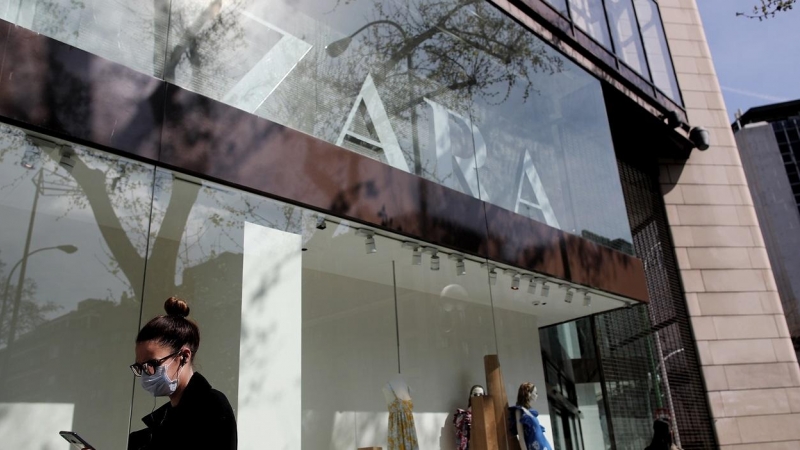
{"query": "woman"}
pixel 196 415
pixel 662 436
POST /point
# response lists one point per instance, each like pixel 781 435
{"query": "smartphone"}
pixel 76 441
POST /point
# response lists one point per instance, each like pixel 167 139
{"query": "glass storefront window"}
pixel 130 33
pixel 589 16
pixel 625 32
pixel 453 91
pixel 72 259
pixel 311 326
pixel 573 361
pixel 655 44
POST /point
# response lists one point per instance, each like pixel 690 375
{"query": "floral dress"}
pixel 402 432
pixel 462 420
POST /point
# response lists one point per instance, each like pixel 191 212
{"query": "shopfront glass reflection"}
pixel 132 34
pixel 450 90
pixel 62 337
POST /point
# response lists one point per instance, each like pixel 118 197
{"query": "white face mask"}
pixel 159 383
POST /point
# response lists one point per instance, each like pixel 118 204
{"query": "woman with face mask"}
pixel 196 415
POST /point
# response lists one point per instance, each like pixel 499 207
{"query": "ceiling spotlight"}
pixel 321 224
pixel 492 272
pixel 434 262
pixel 30 157
pixel 545 290
pixel 532 283
pixel 514 278
pixel 570 294
pixel 536 303
pixel 587 299
pixel 369 240
pixel 416 256
pixel 461 268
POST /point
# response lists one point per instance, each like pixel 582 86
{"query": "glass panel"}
pixel 519 349
pixel 559 5
pixel 445 330
pixel 72 258
pixel 590 17
pixel 446 90
pixel 625 31
pixel 130 33
pixel 297 320
pixel 549 151
pixel 571 349
pixel 655 44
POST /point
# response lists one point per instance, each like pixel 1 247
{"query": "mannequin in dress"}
pixel 396 387
pixel 529 431
pixel 402 431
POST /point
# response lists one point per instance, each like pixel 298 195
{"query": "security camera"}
pixel 700 138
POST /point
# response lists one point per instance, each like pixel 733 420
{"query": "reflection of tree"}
pixel 32 313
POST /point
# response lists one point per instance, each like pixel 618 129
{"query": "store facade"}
pixel 346 193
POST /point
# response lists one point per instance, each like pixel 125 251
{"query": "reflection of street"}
pixel 81 357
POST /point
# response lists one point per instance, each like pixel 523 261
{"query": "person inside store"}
pixel 196 416
pixel 662 436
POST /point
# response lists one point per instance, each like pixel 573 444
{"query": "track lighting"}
pixel 587 299
pixel 321 224
pixel 532 283
pixel 569 295
pixel 416 255
pixel 545 289
pixel 492 272
pixel 461 268
pixel 434 262
pixel 369 240
pixel 514 278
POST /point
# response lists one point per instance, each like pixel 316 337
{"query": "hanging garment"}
pixel 462 420
pixel 533 430
pixel 402 432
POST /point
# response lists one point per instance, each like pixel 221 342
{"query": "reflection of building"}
pixel 522 179
pixel 769 140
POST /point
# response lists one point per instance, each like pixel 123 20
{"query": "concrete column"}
pixel 747 358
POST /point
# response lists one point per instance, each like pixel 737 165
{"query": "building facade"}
pixel 768 139
pixel 350 193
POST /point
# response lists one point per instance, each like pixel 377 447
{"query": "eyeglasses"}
pixel 149 367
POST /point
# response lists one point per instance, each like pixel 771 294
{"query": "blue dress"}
pixel 534 431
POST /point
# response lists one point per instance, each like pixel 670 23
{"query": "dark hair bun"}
pixel 175 306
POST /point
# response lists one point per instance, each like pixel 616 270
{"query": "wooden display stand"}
pixel 490 412
pixel 483 434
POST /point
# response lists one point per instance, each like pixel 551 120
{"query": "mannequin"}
pixel 528 429
pixel 462 419
pixel 396 387
pixel 402 431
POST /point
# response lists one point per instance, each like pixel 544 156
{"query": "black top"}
pixel 203 419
